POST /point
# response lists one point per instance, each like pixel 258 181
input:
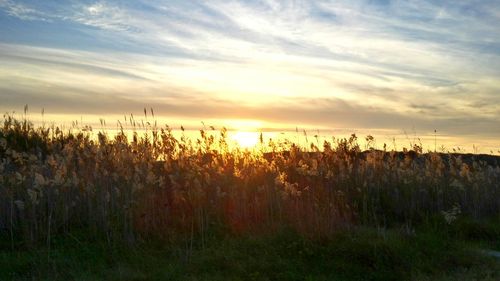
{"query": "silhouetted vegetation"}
pixel 186 194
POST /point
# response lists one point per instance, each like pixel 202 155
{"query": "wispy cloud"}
pixel 104 16
pixel 22 11
pixel 391 64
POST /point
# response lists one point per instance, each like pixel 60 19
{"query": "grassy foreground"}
pixel 77 206
pixel 436 252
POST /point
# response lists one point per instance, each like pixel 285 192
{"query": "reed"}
pixel 156 185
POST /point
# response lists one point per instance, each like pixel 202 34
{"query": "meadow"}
pixel 83 205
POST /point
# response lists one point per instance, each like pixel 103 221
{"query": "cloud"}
pixel 313 113
pixel 22 11
pixel 104 16
pixel 393 64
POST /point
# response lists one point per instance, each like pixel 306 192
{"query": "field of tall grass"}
pixel 154 186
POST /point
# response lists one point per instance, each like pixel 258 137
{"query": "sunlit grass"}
pixel 153 182
pixel 188 190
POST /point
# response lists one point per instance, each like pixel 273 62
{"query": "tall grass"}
pixel 157 185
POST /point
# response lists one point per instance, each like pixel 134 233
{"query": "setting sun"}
pixel 245 139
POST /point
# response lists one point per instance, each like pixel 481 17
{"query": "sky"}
pixel 373 64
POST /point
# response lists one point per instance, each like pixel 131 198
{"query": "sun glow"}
pixel 245 139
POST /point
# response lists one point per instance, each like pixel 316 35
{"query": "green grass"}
pixel 430 253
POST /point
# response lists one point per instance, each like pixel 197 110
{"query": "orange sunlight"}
pixel 245 139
